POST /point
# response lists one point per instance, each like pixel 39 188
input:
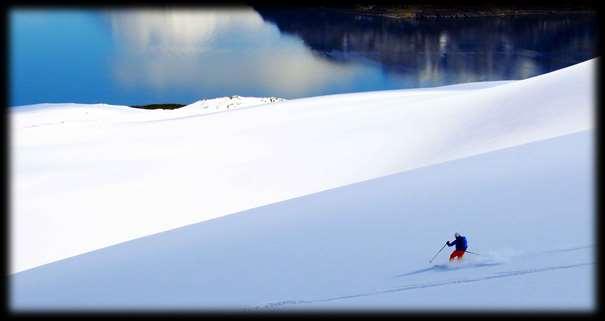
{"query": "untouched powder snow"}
pixel 81 182
pixel 527 211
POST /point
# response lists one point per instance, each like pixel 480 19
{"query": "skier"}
pixel 460 243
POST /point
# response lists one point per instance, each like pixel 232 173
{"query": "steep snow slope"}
pixel 528 211
pixel 78 187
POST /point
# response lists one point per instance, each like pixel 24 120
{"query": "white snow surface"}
pixel 93 114
pixel 527 212
pixel 84 177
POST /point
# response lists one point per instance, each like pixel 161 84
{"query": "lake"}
pixel 145 56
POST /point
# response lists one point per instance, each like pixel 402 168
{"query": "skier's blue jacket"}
pixel 460 243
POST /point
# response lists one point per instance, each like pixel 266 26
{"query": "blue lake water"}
pixel 135 57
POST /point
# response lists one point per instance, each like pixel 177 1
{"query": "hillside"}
pixel 527 211
pixel 87 177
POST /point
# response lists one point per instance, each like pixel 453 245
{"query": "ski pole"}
pixel 472 252
pixel 437 253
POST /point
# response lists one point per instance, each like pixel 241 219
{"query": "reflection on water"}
pixel 179 56
pixel 434 52
pixel 218 53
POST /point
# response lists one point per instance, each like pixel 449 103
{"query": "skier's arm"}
pixel 451 243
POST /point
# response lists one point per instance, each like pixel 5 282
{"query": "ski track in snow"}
pixel 570 249
pixel 496 275
pixel 442 268
pixel 491 261
pixel 446 267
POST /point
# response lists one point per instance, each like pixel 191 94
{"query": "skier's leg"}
pixel 453 256
pixel 456 255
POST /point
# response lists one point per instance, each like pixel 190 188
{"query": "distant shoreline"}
pixel 439 12
pixel 158 106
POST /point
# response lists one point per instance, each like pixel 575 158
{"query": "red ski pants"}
pixel 456 255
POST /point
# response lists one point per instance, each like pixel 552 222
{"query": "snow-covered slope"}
pixel 80 186
pixel 527 211
pixel 228 103
pixel 95 114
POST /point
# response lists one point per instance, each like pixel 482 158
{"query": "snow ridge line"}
pixel 496 275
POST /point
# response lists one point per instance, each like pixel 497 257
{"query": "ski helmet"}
pixel 457 234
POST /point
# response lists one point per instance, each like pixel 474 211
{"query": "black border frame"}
pixel 236 314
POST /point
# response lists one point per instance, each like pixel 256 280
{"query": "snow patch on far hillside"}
pixel 231 102
pixel 29 116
